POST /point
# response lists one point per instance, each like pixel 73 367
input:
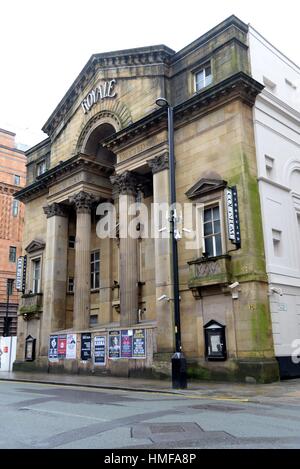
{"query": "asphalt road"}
pixel 53 416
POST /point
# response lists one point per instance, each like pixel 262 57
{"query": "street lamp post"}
pixel 179 380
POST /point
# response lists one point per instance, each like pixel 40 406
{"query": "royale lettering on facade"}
pixel 106 90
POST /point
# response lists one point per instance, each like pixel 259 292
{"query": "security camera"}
pixel 234 285
pixel 277 290
pixel 163 297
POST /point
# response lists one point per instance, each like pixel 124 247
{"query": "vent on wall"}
pixel 277 242
pixel 269 162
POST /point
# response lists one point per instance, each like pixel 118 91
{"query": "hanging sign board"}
pixel 19 276
pixel 53 348
pixel 114 349
pixel 139 343
pixel 126 343
pixel 233 221
pixel 71 347
pixel 85 346
pixel 100 350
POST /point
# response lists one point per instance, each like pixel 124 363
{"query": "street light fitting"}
pixel 162 102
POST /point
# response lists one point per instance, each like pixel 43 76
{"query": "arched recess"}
pixel 291 166
pixel 113 112
pixel 295 181
pixel 90 140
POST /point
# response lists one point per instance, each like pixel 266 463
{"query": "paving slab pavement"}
pixel 217 390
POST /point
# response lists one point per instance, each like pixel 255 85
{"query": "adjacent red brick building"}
pixel 12 178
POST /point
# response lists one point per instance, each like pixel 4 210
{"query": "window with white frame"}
pixel 36 275
pixel 17 180
pixel 212 232
pixel 95 270
pixel 203 77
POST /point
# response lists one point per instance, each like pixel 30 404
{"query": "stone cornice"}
pixel 159 163
pixel 76 163
pixel 152 55
pixel 55 210
pixel 238 86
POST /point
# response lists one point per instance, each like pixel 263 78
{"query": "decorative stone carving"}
pixel 83 201
pixel 159 163
pixel 55 210
pixel 125 183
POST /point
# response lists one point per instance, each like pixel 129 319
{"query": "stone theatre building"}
pixel 108 141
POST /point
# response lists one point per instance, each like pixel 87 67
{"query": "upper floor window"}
pixel 72 241
pixel 15 208
pixel 17 180
pixel 10 286
pixel 71 285
pixel 203 77
pixel 36 275
pixel 212 231
pixel 41 168
pixel 95 270
pixel 12 254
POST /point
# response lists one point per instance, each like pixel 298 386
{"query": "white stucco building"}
pixel 277 133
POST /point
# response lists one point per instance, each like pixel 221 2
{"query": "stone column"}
pixel 126 184
pixel 82 279
pixel 163 273
pixel 105 293
pixel 55 273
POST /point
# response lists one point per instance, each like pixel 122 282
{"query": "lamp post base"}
pixel 179 371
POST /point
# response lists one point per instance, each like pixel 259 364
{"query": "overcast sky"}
pixel 45 44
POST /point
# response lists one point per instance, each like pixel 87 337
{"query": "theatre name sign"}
pixel 102 91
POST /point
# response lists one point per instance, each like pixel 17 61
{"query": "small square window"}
pixel 12 254
pixel 93 319
pixel 203 77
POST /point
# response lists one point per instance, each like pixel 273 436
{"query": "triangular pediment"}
pixel 214 325
pixel 203 186
pixel 34 246
pixel 85 82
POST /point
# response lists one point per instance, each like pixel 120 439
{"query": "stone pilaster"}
pixel 55 273
pixel 83 203
pixel 163 273
pixel 125 184
pixel 105 292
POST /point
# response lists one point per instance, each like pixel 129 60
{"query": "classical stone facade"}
pixel 108 143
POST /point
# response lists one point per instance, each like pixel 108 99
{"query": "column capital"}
pixel 159 163
pixel 125 183
pixel 83 201
pixel 55 210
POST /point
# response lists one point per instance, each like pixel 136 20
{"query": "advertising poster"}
pixel 139 343
pixel 100 350
pixel 85 346
pixel 62 346
pixel 71 347
pixel 53 352
pixel 126 344
pixel 114 348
